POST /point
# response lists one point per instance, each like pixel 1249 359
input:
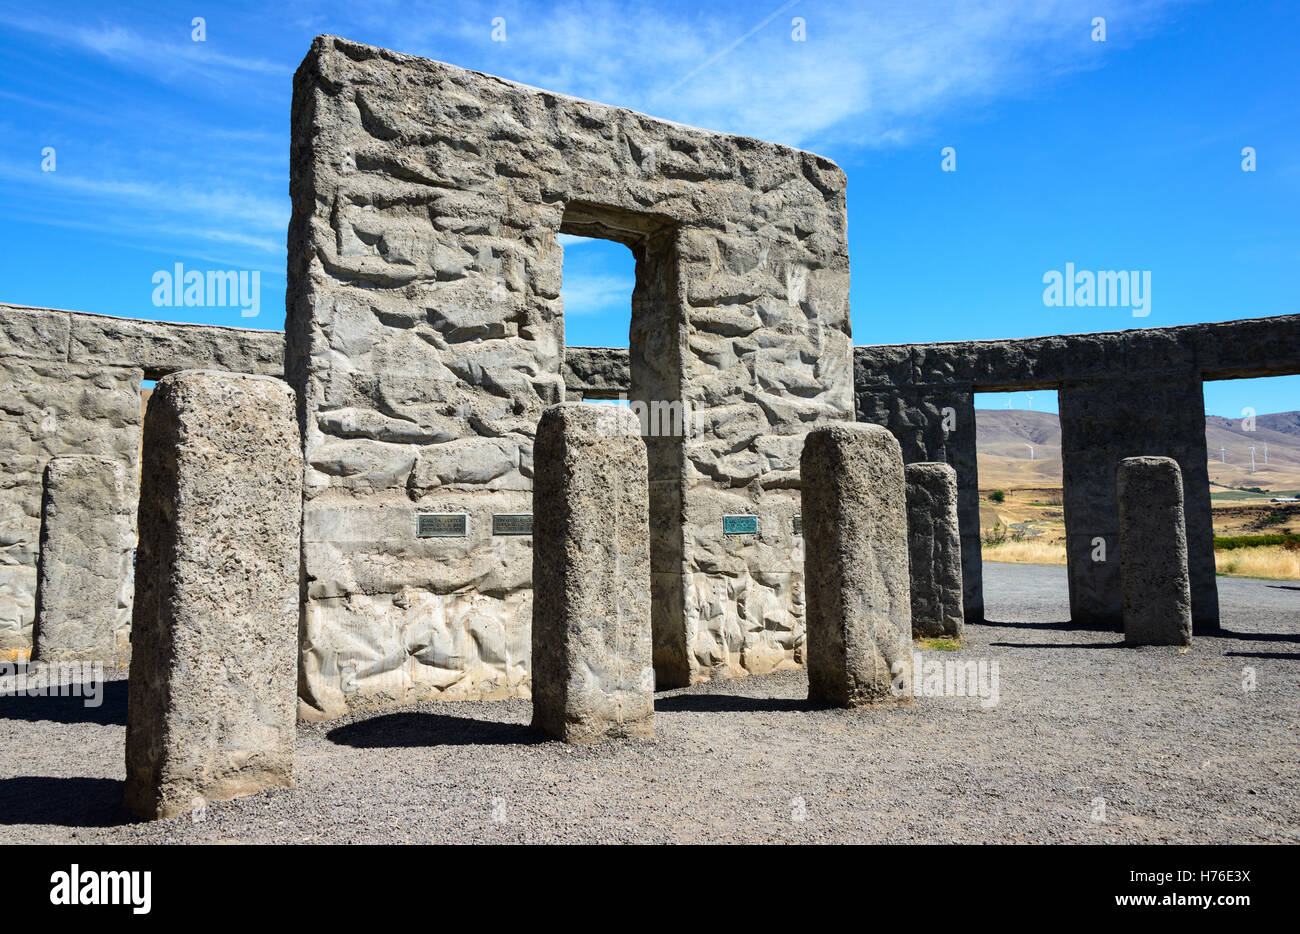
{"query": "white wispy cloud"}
pixel 174 209
pixel 873 75
pixel 132 49
pixel 587 294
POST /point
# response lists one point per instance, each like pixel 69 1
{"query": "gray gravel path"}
pixel 1170 742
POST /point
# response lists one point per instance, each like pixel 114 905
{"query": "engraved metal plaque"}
pixel 441 525
pixel 740 525
pixel 512 524
pixel 798 525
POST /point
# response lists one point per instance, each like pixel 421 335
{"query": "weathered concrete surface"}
pixel 49 409
pixel 84 580
pixel 70 384
pixel 1157 595
pixel 859 593
pixel 592 666
pixel 1249 347
pixel 1103 422
pixel 155 347
pixel 596 372
pixel 934 550
pixel 425 336
pixel 215 630
pixel 910 388
pixel 936 425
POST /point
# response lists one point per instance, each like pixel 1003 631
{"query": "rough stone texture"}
pixel 1122 393
pixel 83 595
pixel 70 384
pixel 859 594
pixel 215 629
pixel 936 425
pixel 425 336
pixel 1103 422
pixel 934 550
pixel 596 372
pixel 156 347
pixel 49 409
pixel 592 668
pixel 1240 349
pixel 1153 552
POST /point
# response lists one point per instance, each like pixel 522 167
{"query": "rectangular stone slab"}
pixel 214 636
pixel 83 604
pixel 425 336
pixel 934 544
pixel 856 566
pixel 1154 577
pixel 593 673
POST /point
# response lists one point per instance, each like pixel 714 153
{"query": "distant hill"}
pixel 1003 437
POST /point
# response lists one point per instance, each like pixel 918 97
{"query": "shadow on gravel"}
pixel 397 730
pixel 1284 656
pixel 63 802
pixel 728 703
pixel 1065 626
pixel 1258 636
pixel 1281 587
pixel 110 712
pixel 1059 645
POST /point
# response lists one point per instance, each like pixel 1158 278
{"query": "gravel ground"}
pixel 1171 743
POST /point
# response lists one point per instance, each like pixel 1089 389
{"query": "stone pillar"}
pixel 934 550
pixel 48 409
pixel 215 630
pixel 933 424
pixel 593 672
pixel 1153 552
pixel 83 605
pixel 859 594
pixel 1104 421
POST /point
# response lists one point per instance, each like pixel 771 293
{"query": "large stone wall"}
pixel 1121 394
pixel 70 384
pixel 1104 421
pixel 425 335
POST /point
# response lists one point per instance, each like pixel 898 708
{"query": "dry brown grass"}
pixel 1026 553
pixel 1275 562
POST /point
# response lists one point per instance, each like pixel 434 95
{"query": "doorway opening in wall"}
pixel 1022 515
pixel 594 286
pixel 1252 441
pixel 598 278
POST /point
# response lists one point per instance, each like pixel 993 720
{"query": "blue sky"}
pixel 1124 154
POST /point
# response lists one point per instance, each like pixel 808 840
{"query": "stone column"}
pixel 593 673
pixel 934 549
pixel 1104 421
pixel 932 424
pixel 215 630
pixel 83 605
pixel 1153 552
pixel 859 594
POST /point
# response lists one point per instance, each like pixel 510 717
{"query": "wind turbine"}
pixel 1222 458
pixel 1252 458
pixel 1031 450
